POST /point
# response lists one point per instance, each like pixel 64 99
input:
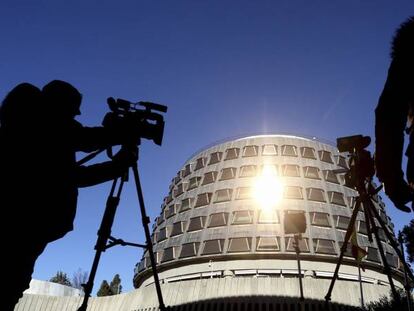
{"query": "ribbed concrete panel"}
pixel 197 292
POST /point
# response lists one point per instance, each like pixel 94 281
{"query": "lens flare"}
pixel 268 188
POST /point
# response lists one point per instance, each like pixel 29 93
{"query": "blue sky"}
pixel 224 68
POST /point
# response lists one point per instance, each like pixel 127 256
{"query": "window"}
pixel 218 220
pixel 330 176
pixel 268 217
pixel 250 151
pixel 196 223
pixel 303 244
pixel 232 153
pixel 141 265
pixel 170 211
pixel 351 201
pixel 223 195
pixel 342 222
pixel 168 198
pixel 157 256
pixel 178 228
pixel 194 182
pixel 341 161
pixel 324 246
pixel 239 245
pixel 268 244
pixel 244 193
pixel 315 194
pixel 200 163
pixel 203 199
pixel 160 219
pixel 228 173
pixel 391 259
pixel 289 150
pixel 325 156
pixel 242 217
pixel 348 251
pixel 307 152
pixel 311 172
pixel 269 150
pixel 215 157
pixel 162 234
pixel 290 170
pixel 186 171
pixel 336 198
pixel 189 249
pixel 177 179
pixel 269 169
pixel 381 234
pixel 213 247
pixel 293 192
pixel 186 204
pixel 362 228
pixel 179 190
pixel 248 171
pixel 209 177
pixel 170 253
pixel 319 219
pixel 372 254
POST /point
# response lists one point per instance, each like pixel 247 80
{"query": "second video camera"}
pixel 143 117
pixel 361 164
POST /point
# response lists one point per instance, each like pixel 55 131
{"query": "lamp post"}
pixel 295 223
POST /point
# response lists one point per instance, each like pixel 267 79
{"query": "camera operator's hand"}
pixel 126 156
pixel 399 193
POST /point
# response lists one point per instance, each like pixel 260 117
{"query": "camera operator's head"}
pixel 19 108
pixel 62 98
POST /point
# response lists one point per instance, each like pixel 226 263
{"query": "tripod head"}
pixel 361 164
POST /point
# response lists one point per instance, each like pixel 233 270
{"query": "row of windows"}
pixel 286 170
pixel 246 217
pixel 246 193
pixel 263 244
pixel 266 150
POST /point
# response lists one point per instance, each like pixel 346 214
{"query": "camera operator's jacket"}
pixel 41 178
pixel 394 107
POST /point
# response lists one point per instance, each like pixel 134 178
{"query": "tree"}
pixel 61 278
pixel 104 290
pixel 408 236
pixel 79 277
pixel 389 303
pixel 116 286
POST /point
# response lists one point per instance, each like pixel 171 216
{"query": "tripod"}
pixel 105 240
pixel 364 202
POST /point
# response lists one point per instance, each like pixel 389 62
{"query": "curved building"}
pixel 224 214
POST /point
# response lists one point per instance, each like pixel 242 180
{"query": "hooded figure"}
pixel 393 113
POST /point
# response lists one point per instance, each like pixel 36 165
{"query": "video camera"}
pixel 148 122
pixel 361 164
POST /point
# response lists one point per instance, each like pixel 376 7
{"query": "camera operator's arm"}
pixel 390 121
pixel 98 173
pixel 88 139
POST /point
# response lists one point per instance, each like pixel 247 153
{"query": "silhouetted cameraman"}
pixel 395 108
pixel 39 177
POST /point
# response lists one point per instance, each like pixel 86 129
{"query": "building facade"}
pixel 213 225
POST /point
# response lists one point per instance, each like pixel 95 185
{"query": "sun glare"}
pixel 268 188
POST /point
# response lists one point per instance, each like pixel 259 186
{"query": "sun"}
pixel 268 188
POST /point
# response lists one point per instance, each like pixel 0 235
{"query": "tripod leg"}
pixel 104 233
pixel 392 241
pixel 387 268
pixel 348 234
pixel 145 223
